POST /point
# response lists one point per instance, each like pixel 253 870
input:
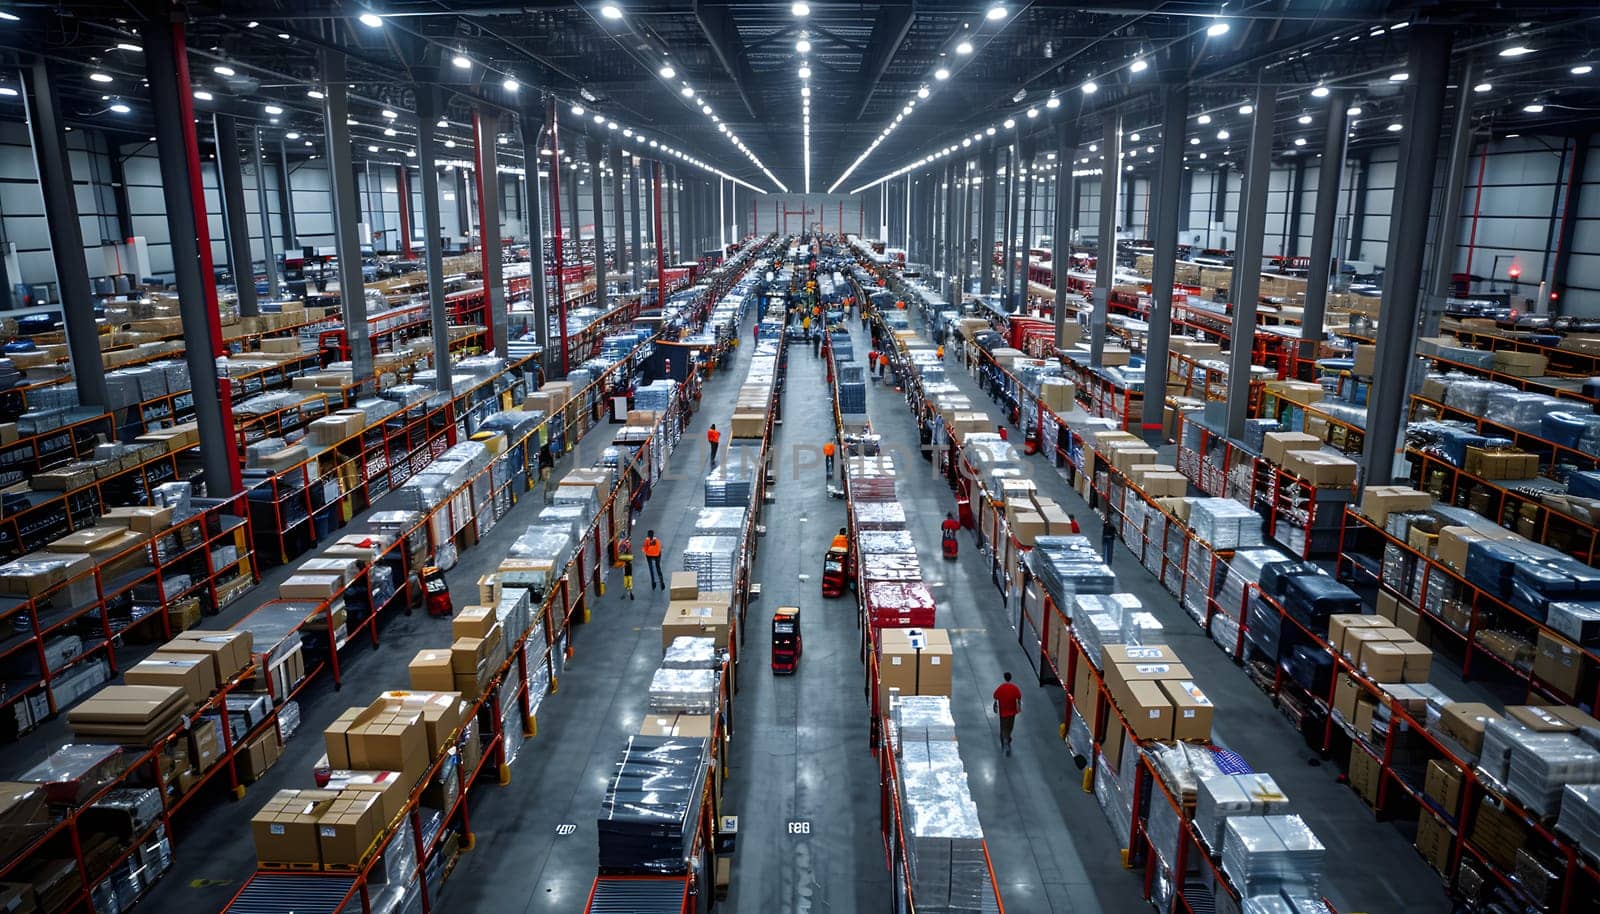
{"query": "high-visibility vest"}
pixel 652 548
pixel 713 436
pixel 827 449
pixel 840 542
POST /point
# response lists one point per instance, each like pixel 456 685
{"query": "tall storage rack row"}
pixel 1153 819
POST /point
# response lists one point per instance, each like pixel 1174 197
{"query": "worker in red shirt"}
pixel 1007 704
pixel 713 438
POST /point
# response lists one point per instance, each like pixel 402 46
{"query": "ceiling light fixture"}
pixel 1203 119
pixel 1223 134
pixel 316 94
pixel 370 20
pixel 1320 92
pixel 390 131
pixel 800 9
pixel 611 11
pixel 131 48
pixel 1516 50
pixel 577 111
pixel 390 114
pixel 1395 128
pixel 1053 102
pixel 1010 123
pixel 1246 110
pixel 803 46
pixel 9 17
pixel 223 70
pixel 964 48
pixel 272 109
pixel 1582 69
pixel 923 92
pixel 805 72
pixel 996 12
pixel 1399 77
pixel 202 95
pixel 1481 88
pixel 510 84
pixel 1216 29
pixel 120 108
pixel 599 118
pixel 461 62
pixel 1139 65
pixel 1134 137
pixel 1033 112
pixel 667 72
pixel 1090 87
pixel 1304 119
pixel 941 73
pixel 291 135
pixel 1353 111
pixel 1533 107
pixel 100 77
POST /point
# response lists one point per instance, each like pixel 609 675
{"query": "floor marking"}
pixel 799 827
pixel 804 576
pixel 565 829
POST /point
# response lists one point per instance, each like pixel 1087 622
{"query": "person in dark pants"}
pixel 652 558
pixel 1007 704
pixel 1108 537
pixel 713 438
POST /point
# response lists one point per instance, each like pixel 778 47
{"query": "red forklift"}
pixel 438 592
pixel 786 641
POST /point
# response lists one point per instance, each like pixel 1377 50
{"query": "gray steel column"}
pixel 531 120
pixel 1106 246
pixel 269 258
pixel 573 243
pixel 1448 228
pixel 1358 207
pixel 1428 63
pixel 1168 178
pixel 1028 180
pixel 597 199
pixel 1245 287
pixel 989 164
pixel 43 109
pixel 178 155
pixel 428 107
pixel 669 209
pixel 635 188
pixel 1008 244
pixel 1060 246
pixel 486 149
pixel 618 227
pixel 1570 206
pixel 286 200
pixel 342 180
pixel 231 177
pixel 1329 172
pixel 463 202
pixel 947 233
pixel 1291 222
pixel 964 270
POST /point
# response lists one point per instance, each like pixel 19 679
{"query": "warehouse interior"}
pixel 747 480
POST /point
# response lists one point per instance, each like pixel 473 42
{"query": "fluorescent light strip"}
pixel 667 151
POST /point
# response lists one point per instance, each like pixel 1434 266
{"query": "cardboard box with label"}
pixel 442 714
pixel 1192 710
pixel 1464 722
pixel 683 585
pixel 432 670
pixel 1442 784
pixel 695 619
pixel 1558 662
pixel 285 829
pixel 229 652
pixel 195 675
pixel 1276 444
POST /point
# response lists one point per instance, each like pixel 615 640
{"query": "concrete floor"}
pixel 800 747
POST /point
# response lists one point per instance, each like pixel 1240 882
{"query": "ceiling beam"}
pixel 716 22
pixel 889 30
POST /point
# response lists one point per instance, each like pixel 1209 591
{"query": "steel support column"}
pixel 1291 222
pixel 531 122
pixel 485 148
pixel 618 226
pixel 1448 229
pixel 989 164
pixel 1358 207
pixel 597 201
pixel 231 176
pixel 43 111
pixel 1428 63
pixel 964 268
pixel 1245 287
pixel 635 191
pixel 1570 208
pixel 1335 141
pixel 172 102
pixel 947 230
pixel 1008 244
pixel 268 257
pixel 1060 246
pixel 670 204
pixel 557 240
pixel 402 188
pixel 286 203
pixel 1165 213
pixel 341 180
pixel 661 249
pixel 1106 246
pixel 428 108
pixel 1028 169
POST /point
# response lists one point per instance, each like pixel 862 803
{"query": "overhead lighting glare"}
pixel 923 92
pixel 510 84
pixel 1516 50
pixel 941 73
pixel 805 72
pixel 1216 29
pixel 131 48
pixel 316 94
pixel 461 62
pixel 1246 110
pixel 1134 137
pixel 272 109
pixel 8 92
pixel 1481 88
pixel 223 70
pixel 100 77
pixel 996 12
pixel 291 135
pixel 120 108
pixel 1223 134
pixel 667 72
pixel 599 118
pixel 800 9
pixel 1320 92
pixel 1533 107
pixel 1033 112
pixel 964 48
pixel 1353 111
pixel 1139 65
pixel 1090 87
pixel 1203 119
pixel 1299 141
pixel 1395 128
pixel 1010 123
pixel 1053 102
pixel 1304 119
pixel 1399 77
pixel 611 11
pixel 370 20
pixel 9 17
pixel 1582 69
pixel 202 95
pixel 577 111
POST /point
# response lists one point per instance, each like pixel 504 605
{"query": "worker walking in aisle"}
pixel 1072 524
pixel 547 466
pixel 816 342
pixel 827 457
pixel 1108 535
pixel 625 556
pixel 713 438
pixel 652 559
pixel 940 352
pixel 1007 704
pixel 755 334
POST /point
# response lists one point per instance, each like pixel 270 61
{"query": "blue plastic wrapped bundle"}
pixel 1564 428
pixel 1490 565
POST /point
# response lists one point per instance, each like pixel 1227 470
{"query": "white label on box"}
pixel 1146 669
pixel 328 831
pixel 275 829
pixel 934 660
pixel 894 661
pixel 1144 653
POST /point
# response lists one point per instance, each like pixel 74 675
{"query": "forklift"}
pixel 438 592
pixel 835 572
pixel 786 641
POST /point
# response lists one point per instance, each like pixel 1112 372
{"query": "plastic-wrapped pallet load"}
pixel 730 484
pixel 879 541
pixel 691 653
pixel 1221 798
pixel 720 521
pixel 872 479
pixel 944 841
pixel 712 559
pixel 1069 565
pixel 684 691
pixel 1580 816
pixel 878 515
pixel 1225 523
pixel 923 718
pixel 1539 766
pixel 652 802
pixel 1265 855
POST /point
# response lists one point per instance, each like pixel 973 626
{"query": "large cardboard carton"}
pixel 683 585
pixel 695 619
pixel 285 829
pixel 1276 444
pixel 1148 709
pixel 1464 722
pixel 432 670
pixel 347 828
pixel 229 652
pixel 1192 710
pixel 1558 662
pixel 442 715
pixel 195 675
pixel 1442 785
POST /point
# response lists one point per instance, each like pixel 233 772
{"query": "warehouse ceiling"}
pixel 818 96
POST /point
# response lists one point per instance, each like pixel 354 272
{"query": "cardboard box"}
pixel 229 651
pixel 478 657
pixel 314 587
pixel 285 829
pixel 1320 468
pixel 379 737
pixel 347 828
pixel 1436 842
pixel 695 619
pixel 1378 502
pixel 1418 660
pixel 1558 662
pixel 195 675
pixel 473 622
pixel 1118 676
pixel 389 788
pixel 431 670
pixel 1442 784
pixel 1277 444
pixel 1192 710
pixel 258 755
pixel 139 519
pixel 1451 549
pixel 1384 661
pixel 683 585
pixel 1498 833
pixel 936 663
pixel 1148 709
pixel 1464 721
pixel 1357 638
pixel 1520 364
pixel 1340 624
pixel 1364 774
pixel 442 715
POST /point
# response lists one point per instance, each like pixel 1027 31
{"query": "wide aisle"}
pixel 1051 847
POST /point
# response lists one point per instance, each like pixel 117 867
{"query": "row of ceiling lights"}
pixel 963 49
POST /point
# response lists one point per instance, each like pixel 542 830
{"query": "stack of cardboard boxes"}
pixel 1153 690
pixel 914 661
